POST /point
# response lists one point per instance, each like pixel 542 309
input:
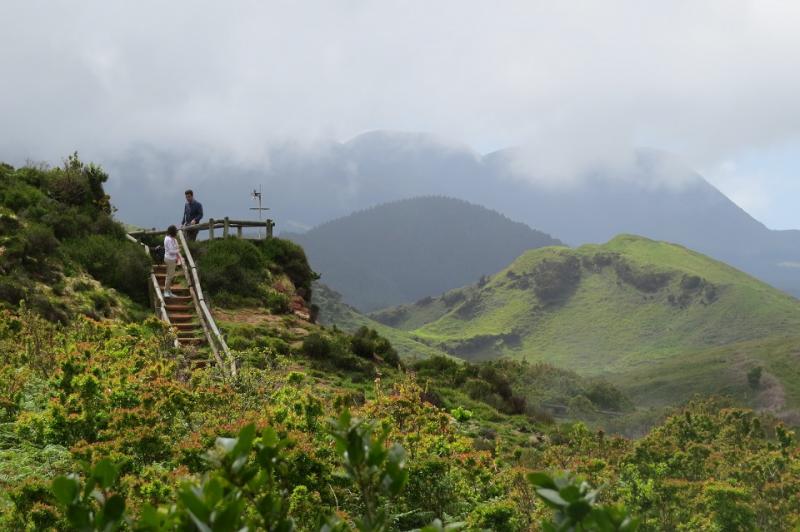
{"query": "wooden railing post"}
pixel 225 227
pixel 211 228
pixel 270 224
pixel 239 231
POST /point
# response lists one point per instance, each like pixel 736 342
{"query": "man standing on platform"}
pixel 192 214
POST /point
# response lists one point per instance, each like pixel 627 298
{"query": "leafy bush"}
pixel 440 366
pixel 461 414
pixel 238 272
pixel 91 505
pixel 607 396
pixel 277 302
pixel 29 248
pixel 69 188
pixel 317 346
pixel 499 516
pixel 249 487
pixel 232 267
pixel 367 343
pixel 116 263
pixel 291 259
pixel 575 506
pixel 45 212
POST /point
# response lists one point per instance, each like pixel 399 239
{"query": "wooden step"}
pixel 189 333
pixel 186 326
pixel 176 299
pixel 181 291
pixel 191 341
pixel 180 308
pixel 180 318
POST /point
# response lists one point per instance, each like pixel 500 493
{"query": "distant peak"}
pixel 406 141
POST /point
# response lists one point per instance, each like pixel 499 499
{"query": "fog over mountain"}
pixel 650 193
pixel 580 84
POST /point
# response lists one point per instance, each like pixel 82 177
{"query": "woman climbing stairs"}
pixel 186 310
pixel 180 308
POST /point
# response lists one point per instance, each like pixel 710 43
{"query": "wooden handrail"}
pixel 211 225
pixel 203 312
pixel 206 330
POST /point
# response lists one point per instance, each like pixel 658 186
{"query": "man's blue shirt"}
pixel 192 210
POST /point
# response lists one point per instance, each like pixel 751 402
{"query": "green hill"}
pixel 401 251
pixel 61 251
pixel 333 311
pixel 632 306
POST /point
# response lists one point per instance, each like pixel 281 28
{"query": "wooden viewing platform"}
pixel 187 311
pixel 211 225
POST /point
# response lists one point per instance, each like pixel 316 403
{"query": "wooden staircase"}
pixel 180 308
pixel 187 310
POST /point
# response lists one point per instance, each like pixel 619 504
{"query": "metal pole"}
pixel 256 195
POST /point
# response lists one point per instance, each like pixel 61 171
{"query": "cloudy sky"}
pixel 716 82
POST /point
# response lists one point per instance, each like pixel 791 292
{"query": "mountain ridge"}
pixel 407 249
pixel 339 178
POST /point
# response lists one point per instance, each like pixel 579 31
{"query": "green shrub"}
pixel 447 369
pixel 30 247
pixel 20 196
pixel 116 263
pixel 50 310
pixel 11 290
pixel 292 260
pixel 255 357
pixel 367 343
pixel 69 188
pixel 498 516
pixel 276 302
pixel 317 346
pixel 275 344
pixel 51 214
pixel 232 267
pixel 607 396
pixel 461 414
pixel 239 343
pixel 478 389
pixel 575 508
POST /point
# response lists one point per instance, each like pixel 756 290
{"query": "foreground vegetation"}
pixel 105 425
pixel 95 391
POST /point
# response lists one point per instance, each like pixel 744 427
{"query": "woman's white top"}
pixel 170 248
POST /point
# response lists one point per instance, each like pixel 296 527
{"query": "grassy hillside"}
pixel 105 425
pixel 334 312
pixel 61 251
pixel 633 306
pixel 401 251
